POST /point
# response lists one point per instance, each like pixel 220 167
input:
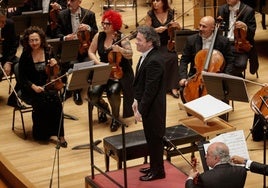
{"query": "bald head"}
pixel 206 26
pixel 217 152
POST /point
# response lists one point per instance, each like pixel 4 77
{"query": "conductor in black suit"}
pixel 222 175
pixel 149 104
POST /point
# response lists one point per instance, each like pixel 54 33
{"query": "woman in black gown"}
pixel 47 107
pixel 161 17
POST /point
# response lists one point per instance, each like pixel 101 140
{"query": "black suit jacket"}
pixel 65 24
pixel 222 176
pixel 149 91
pixel 194 45
pixel 259 168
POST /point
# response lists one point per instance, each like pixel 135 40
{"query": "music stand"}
pixel 181 38
pixel 225 87
pixel 84 78
pixel 67 50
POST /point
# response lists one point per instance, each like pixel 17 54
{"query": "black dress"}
pixel 171 58
pixel 47 107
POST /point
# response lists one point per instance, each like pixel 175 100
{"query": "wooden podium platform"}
pixel 174 178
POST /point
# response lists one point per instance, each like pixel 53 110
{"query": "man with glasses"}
pixel 72 21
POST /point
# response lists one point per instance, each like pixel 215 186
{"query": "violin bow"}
pixel 11 86
pixel 238 16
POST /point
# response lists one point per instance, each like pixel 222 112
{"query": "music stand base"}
pixel 87 146
pixel 68 116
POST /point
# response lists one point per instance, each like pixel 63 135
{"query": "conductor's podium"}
pixel 136 146
pixel 184 136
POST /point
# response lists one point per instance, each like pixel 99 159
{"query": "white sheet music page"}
pixel 207 107
pixel 236 142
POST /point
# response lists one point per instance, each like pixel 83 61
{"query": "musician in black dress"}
pixel 103 44
pixel 47 108
pixel 161 17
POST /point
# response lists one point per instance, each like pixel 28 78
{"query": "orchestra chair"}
pixel 22 107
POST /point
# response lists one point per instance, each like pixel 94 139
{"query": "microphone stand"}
pixel 178 151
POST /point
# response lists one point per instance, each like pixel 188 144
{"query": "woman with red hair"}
pixel 105 42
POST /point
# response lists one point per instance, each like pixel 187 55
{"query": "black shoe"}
pixel 153 176
pixel 175 95
pixel 102 117
pixel 114 126
pixel 145 170
pixel 77 98
pixel 63 144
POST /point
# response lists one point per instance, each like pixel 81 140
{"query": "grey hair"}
pixel 222 151
pixel 149 34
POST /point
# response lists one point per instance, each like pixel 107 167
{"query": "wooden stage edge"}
pixel 174 178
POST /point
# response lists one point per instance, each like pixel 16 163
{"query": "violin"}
pixel 172 27
pixel 194 164
pixel 84 37
pixel 241 43
pixel 114 59
pixel 53 81
pixel 209 60
pixel 259 102
pixel 53 14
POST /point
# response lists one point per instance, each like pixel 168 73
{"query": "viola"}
pixel 53 14
pixel 172 27
pixel 241 42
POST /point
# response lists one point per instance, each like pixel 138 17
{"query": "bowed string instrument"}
pixel 240 36
pixel 115 58
pixel 173 26
pixel 209 60
pixel 84 37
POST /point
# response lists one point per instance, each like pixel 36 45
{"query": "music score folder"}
pixel 207 107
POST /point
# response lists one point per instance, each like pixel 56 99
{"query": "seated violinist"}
pixel 198 42
pixel 108 43
pixel 240 30
pixel 35 66
pixel 73 21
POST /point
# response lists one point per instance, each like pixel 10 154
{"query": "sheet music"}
pixel 236 142
pixel 83 65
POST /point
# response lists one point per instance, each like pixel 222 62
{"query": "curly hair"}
pixel 30 30
pixel 115 18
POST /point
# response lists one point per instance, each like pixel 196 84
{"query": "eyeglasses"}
pixel 106 23
pixel 156 1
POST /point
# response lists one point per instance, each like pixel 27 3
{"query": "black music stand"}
pixel 64 52
pixel 225 87
pixel 84 78
pixel 31 18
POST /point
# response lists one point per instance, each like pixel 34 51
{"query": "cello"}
pixel 209 60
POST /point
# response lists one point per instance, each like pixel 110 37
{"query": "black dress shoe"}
pixel 153 176
pixel 114 126
pixel 145 170
pixel 102 117
pixel 77 98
